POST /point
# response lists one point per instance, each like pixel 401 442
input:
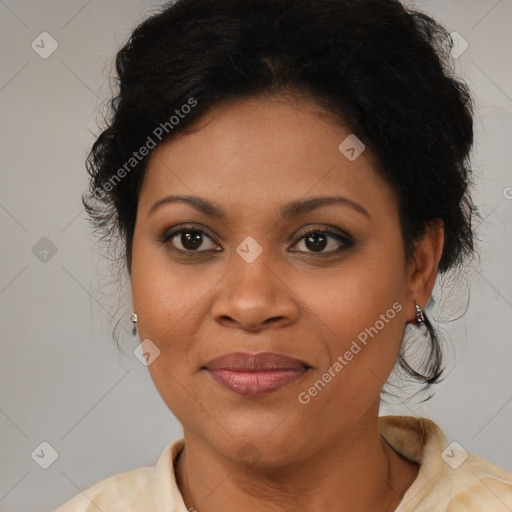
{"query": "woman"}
pixel 288 178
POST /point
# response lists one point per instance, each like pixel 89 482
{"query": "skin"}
pixel 250 157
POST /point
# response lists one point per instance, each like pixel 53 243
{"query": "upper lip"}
pixel 244 361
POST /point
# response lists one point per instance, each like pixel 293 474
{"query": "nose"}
pixel 255 296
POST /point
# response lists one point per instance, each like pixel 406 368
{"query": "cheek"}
pixel 353 296
pixel 362 309
pixel 165 295
pixel 167 307
pixel 171 303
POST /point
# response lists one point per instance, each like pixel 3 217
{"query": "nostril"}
pixel 274 319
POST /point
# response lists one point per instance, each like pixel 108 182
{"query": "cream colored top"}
pixel 449 479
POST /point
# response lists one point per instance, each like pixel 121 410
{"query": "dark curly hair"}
pixel 375 66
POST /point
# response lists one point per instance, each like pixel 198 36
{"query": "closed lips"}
pixel 255 374
pixel 264 361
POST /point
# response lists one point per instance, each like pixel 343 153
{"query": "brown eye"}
pixel 316 241
pixel 189 240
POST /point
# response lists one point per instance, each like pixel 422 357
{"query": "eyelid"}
pixel 342 237
pixel 345 240
pixel 176 230
pixel 322 228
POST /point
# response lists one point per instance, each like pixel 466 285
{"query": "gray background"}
pixel 63 380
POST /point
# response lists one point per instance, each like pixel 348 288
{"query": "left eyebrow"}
pixel 288 211
pixel 301 206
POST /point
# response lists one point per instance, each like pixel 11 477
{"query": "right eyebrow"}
pixel 201 205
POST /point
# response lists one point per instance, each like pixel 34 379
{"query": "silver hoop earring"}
pixel 420 317
pixel 133 318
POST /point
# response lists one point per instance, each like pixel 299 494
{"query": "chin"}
pixel 267 442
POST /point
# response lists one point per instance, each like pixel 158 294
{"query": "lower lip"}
pixel 256 383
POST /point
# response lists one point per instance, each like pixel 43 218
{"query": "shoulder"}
pixel 148 488
pixel 113 494
pixel 450 478
pixel 477 484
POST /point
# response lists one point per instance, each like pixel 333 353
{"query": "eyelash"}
pixel 346 241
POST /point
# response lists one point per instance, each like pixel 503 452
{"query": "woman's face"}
pixel 254 282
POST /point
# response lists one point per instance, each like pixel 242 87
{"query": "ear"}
pixel 423 269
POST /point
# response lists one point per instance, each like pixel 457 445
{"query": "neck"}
pixel 358 471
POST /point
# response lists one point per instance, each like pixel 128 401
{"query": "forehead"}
pixel 250 153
